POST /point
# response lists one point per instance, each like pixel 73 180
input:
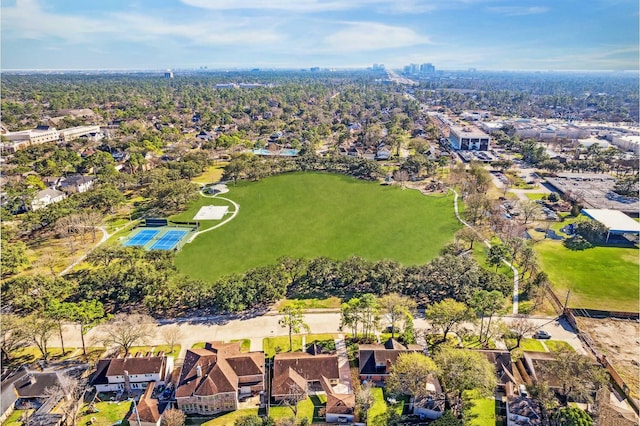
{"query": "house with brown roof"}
pixel 341 406
pixel 131 373
pixel 148 411
pixel 375 360
pixel 216 378
pixel 298 373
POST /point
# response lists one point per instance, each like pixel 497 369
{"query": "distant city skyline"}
pixel 450 34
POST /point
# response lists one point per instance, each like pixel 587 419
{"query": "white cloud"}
pixel 27 20
pixel 518 10
pixel 367 36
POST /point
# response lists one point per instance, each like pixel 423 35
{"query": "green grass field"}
pixel 319 214
pixel 604 278
pixel 478 411
pixel 108 413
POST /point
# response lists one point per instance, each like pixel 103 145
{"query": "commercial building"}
pixel 24 138
pixel 72 133
pixel 468 138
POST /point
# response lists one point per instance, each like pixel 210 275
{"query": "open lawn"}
pixel 379 407
pixel 557 345
pixel 328 303
pixel 532 345
pixel 305 409
pixel 604 278
pixel 230 418
pixel 478 410
pixel 15 418
pixel 274 345
pixel 319 214
pixel 108 413
pixel 212 175
pixel 156 349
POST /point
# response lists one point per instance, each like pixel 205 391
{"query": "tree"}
pixel 448 419
pixel 447 314
pixel 13 334
pixel 175 417
pixel 125 330
pixel 250 420
pixel 486 304
pixel 14 257
pixel 464 369
pixel 518 327
pixel 171 335
pixel 530 210
pixel 364 401
pixel 292 318
pixel 87 314
pixel 73 389
pixel 496 254
pixel 394 307
pixel 575 374
pixel 409 333
pixel 360 310
pixel 469 235
pixel 294 395
pixel 409 375
pixel 401 176
pixel 572 416
pixel 38 330
pixel 59 312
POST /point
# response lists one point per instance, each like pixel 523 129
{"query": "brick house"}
pixel 215 379
pixel 131 373
pixel 301 373
pixel 375 361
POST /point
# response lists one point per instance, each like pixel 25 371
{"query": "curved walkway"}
pixel 236 207
pixel 488 244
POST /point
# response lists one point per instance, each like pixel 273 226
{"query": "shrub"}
pixel 577 243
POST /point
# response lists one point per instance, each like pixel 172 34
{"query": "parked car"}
pixel 541 334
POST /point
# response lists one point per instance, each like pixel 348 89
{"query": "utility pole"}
pixel 566 301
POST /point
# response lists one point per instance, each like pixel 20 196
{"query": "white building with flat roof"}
pixel 468 138
pixel 24 138
pixel 72 133
pixel 627 143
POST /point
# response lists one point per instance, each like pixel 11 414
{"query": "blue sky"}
pixel 451 34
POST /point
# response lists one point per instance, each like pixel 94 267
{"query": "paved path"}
pixel 343 363
pixel 516 274
pixel 105 237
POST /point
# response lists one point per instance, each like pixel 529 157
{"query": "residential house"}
pixel 45 197
pixel 340 406
pixel 37 390
pixel 77 183
pixel 148 410
pixel 431 406
pixel 508 376
pixel 301 373
pixel 375 360
pixel 132 372
pixel 523 411
pixel 218 377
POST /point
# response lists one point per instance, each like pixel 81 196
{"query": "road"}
pixel 259 327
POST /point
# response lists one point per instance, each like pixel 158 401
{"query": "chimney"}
pixel 127 382
pixel 199 371
pixel 32 379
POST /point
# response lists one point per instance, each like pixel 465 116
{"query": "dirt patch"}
pixel 619 340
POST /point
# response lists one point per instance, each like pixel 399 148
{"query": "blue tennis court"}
pixel 141 238
pixel 169 240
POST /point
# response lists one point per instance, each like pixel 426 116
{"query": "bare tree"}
pixel 38 330
pixel 469 235
pixel 294 395
pixel 173 417
pixel 125 330
pixel 71 390
pixel 13 334
pixel 364 401
pixel 401 176
pixel 519 327
pixel 172 335
pixel 530 210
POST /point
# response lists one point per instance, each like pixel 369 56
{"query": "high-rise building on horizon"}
pixel 168 74
pixel 427 68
